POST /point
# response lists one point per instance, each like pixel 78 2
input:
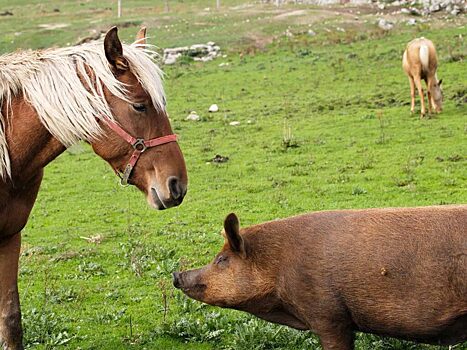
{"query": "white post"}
pixel 278 2
pixel 167 9
pixel 218 4
pixel 119 7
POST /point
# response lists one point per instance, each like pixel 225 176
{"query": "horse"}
pixel 419 61
pixel 107 94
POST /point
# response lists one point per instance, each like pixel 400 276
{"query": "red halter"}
pixel 139 145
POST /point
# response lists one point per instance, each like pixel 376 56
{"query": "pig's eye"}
pixel 221 259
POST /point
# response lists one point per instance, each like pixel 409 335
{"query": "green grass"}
pixel 324 123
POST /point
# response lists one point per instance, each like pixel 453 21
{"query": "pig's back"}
pixel 399 271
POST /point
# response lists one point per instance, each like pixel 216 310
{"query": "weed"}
pixel 43 327
pixel 288 140
pixel 357 191
pixel 382 125
pixel 89 269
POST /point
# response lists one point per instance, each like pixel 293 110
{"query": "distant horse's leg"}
pixel 412 95
pixel 10 315
pixel 430 103
pixel 418 84
pixel 428 91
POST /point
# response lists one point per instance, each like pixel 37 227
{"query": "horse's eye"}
pixel 139 107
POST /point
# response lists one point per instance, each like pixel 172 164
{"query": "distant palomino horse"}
pixel 106 94
pixel 420 62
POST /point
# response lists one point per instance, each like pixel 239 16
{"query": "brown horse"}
pixel 100 93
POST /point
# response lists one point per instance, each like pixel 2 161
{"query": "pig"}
pixel 397 272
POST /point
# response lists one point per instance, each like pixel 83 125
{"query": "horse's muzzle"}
pixel 176 190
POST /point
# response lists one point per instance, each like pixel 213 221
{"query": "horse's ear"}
pixel 141 36
pixel 440 82
pixel 114 50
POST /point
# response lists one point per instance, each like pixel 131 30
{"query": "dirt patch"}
pixel 291 14
pixel 54 26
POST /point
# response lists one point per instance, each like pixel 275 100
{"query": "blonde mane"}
pixel 51 81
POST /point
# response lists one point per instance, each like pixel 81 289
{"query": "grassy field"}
pixel 325 123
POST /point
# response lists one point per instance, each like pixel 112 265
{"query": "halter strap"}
pixel 139 145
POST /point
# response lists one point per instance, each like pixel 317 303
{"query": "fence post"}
pixel 119 8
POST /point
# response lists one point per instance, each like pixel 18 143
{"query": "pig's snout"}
pixel 190 282
pixel 176 279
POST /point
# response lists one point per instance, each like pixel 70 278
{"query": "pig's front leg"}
pixel 336 337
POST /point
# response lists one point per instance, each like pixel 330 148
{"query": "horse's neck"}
pixel 31 146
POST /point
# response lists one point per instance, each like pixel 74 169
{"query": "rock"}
pixel 385 25
pixel 6 13
pixel 381 6
pixel 234 123
pixel 455 11
pixel 405 11
pixel 197 52
pixel 288 33
pixel 214 108
pixel 95 35
pixel 311 32
pixel 434 8
pixel 411 22
pixel 172 59
pixel 415 11
pixel 193 116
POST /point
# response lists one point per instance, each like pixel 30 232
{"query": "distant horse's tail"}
pixel 424 55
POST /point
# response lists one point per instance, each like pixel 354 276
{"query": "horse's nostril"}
pixel 175 187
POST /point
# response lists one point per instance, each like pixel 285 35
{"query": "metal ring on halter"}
pixel 139 145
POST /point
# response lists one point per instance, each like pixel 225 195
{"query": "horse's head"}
pixel 437 95
pixel 159 171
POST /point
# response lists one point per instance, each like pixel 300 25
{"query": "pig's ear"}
pixel 232 232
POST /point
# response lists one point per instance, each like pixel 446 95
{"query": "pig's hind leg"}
pixel 336 337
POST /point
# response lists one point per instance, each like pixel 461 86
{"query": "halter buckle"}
pixel 125 176
pixel 139 145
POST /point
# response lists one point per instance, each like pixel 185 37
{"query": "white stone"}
pixel 234 123
pixel 411 22
pixel 193 116
pixel 435 8
pixel 415 11
pixel 385 25
pixel 214 108
pixel 170 59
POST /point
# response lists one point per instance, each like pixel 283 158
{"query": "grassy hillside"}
pixel 324 123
